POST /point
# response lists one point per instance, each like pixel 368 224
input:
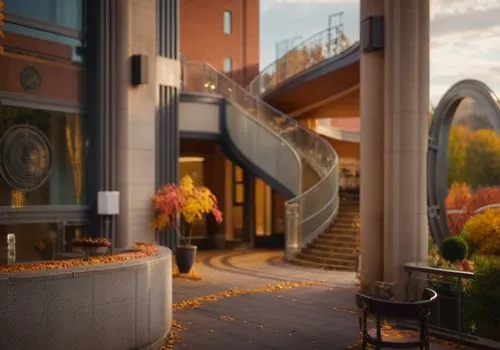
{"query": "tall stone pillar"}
pixel 372 156
pixel 406 104
pixel 135 115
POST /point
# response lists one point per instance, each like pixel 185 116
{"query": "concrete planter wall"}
pixel 126 305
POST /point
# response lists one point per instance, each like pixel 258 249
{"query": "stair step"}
pixel 331 249
pixel 351 231
pixel 336 244
pixel 338 237
pixel 323 266
pixel 329 261
pixel 348 255
pixel 343 225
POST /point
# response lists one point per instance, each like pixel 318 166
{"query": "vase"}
pixel 185 256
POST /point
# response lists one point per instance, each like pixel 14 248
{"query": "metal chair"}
pixel 395 310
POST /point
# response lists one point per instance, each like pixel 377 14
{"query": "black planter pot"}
pixel 185 256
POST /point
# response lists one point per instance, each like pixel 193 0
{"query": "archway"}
pixel 437 155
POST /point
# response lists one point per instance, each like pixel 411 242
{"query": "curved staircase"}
pixel 337 248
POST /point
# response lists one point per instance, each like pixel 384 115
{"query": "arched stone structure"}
pixel 437 156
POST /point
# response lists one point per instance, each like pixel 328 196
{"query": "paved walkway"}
pixel 303 318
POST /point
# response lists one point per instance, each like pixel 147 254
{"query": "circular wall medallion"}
pixel 31 79
pixel 25 158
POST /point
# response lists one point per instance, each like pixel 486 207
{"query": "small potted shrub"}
pixel 484 297
pixel 178 206
pixel 452 255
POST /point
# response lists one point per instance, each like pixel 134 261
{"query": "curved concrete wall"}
pixel 126 305
pixel 199 118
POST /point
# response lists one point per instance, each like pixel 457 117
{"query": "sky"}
pixel 465 35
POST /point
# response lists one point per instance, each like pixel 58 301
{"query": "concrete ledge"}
pixel 125 305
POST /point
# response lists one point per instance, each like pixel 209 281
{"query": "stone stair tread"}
pixel 323 266
pixel 348 255
pixel 331 249
pixel 337 247
pixel 329 260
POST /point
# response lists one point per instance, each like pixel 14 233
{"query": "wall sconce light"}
pixel 372 34
pixel 140 69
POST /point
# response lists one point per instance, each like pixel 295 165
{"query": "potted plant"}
pixel 178 206
pixel 452 255
pixel 483 294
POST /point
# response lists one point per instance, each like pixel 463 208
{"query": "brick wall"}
pixel 203 37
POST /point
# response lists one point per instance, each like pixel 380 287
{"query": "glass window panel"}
pixel 42 157
pixel 50 44
pixel 227 22
pixel 238 174
pixel 239 194
pixel 34 242
pixel 228 65
pixel 237 221
pixel 65 13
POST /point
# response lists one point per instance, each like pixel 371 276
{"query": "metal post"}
pixel 292 230
pixel 338 27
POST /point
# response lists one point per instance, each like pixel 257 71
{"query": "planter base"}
pixel 185 256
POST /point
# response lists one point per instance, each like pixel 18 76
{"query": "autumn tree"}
pixel 482 159
pixel 457 148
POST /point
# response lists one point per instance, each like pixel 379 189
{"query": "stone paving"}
pixel 311 317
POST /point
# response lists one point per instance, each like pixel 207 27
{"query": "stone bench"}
pixel 123 305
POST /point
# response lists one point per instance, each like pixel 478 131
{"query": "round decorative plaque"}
pixel 31 78
pixel 25 158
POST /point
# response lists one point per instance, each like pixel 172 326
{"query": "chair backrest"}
pixel 397 309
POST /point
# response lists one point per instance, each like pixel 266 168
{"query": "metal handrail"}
pixel 311 51
pixel 313 209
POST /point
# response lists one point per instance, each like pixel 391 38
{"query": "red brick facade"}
pixel 203 37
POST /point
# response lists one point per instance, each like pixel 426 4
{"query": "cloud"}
pixel 465 43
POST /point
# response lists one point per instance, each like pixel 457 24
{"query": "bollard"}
pixel 11 248
pixel 292 230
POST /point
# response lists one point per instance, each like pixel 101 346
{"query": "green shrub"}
pixel 454 249
pixel 484 290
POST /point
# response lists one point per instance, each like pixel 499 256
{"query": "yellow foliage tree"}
pixel 482 159
pixel 457 149
pixel 483 230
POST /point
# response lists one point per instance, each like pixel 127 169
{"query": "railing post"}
pixel 293 237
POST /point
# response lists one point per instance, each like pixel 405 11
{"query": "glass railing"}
pixel 311 211
pixel 313 50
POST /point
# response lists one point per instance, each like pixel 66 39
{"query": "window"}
pixel 55 21
pixel 64 13
pixel 44 157
pixel 228 65
pixel 228 22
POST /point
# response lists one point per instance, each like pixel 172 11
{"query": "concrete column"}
pixel 372 156
pixel 136 124
pixel 406 93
